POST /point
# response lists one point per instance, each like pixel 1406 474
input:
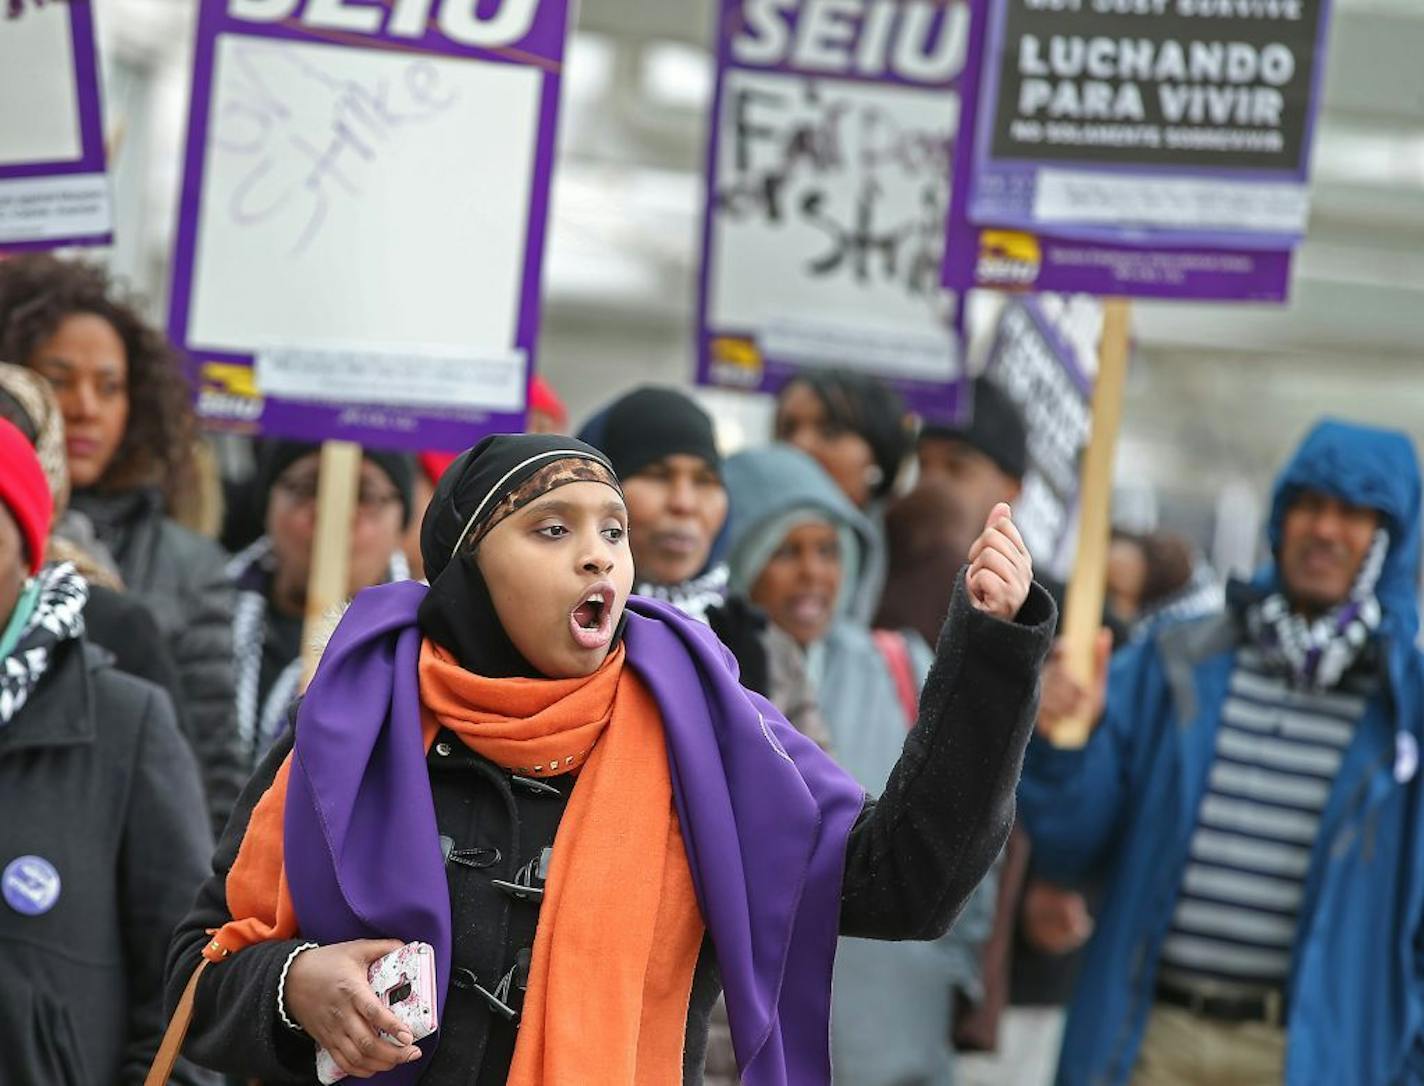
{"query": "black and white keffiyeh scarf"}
pixel 260 720
pixel 693 598
pixel 1202 595
pixel 58 617
pixel 1316 653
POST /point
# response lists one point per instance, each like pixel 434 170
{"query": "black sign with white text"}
pixel 1195 83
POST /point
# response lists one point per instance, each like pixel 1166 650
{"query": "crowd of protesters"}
pixel 1225 885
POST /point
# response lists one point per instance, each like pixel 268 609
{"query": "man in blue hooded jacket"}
pixel 1251 801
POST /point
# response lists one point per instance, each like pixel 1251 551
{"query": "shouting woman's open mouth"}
pixel 591 620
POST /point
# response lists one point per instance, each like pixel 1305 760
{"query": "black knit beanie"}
pixel 650 424
pixel 276 455
pixel 996 429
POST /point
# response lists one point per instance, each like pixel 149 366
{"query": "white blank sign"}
pixel 39 107
pixel 356 195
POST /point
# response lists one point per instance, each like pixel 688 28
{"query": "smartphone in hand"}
pixel 404 980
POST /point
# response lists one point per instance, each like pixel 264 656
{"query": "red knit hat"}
pixel 24 491
pixel 434 464
pixel 542 397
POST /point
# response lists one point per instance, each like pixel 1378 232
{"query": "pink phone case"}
pixel 404 980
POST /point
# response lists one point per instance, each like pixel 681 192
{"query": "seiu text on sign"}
pixel 470 23
pixel 918 41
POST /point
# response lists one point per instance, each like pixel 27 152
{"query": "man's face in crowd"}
pixel 799 585
pixel 676 507
pixel 977 482
pixel 14 567
pixel 1324 542
pixel 291 524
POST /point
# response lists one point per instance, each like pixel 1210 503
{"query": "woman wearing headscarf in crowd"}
pixel 114 621
pixel 272 573
pixel 664 448
pixel 856 428
pixel 795 549
pixel 523 703
pixel 105 837
pixel 129 434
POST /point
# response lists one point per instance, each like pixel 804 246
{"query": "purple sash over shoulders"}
pixel 765 817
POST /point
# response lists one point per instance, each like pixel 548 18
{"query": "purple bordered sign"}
pixel 1038 366
pixel 827 187
pixel 1148 148
pixel 53 186
pixel 364 201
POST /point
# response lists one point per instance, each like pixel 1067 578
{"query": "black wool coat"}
pixel 98 783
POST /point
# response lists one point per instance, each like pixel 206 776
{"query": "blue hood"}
pixel 1362 465
pixel 770 481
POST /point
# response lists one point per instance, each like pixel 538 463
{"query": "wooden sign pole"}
pixel 331 547
pixel 1083 606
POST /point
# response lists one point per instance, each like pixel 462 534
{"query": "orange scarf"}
pixel 619 929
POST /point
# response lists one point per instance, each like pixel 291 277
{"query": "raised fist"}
pixel 1000 569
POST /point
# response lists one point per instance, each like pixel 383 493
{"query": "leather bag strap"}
pixel 172 1044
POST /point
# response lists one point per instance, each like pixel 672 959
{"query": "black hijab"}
pixel 472 496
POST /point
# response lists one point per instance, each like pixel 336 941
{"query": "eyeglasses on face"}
pixel 301 492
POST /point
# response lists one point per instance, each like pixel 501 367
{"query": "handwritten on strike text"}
pixel 304 136
pixel 875 187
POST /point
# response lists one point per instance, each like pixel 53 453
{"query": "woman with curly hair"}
pixel 129 437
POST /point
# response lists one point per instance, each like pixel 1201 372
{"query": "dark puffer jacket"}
pixel 180 577
pixel 99 784
pixel 912 860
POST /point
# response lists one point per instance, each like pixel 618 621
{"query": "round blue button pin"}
pixel 30 885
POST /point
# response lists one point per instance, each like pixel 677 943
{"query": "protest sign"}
pixel 53 186
pixel 363 212
pixel 828 182
pixel 1153 148
pixel 1036 365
